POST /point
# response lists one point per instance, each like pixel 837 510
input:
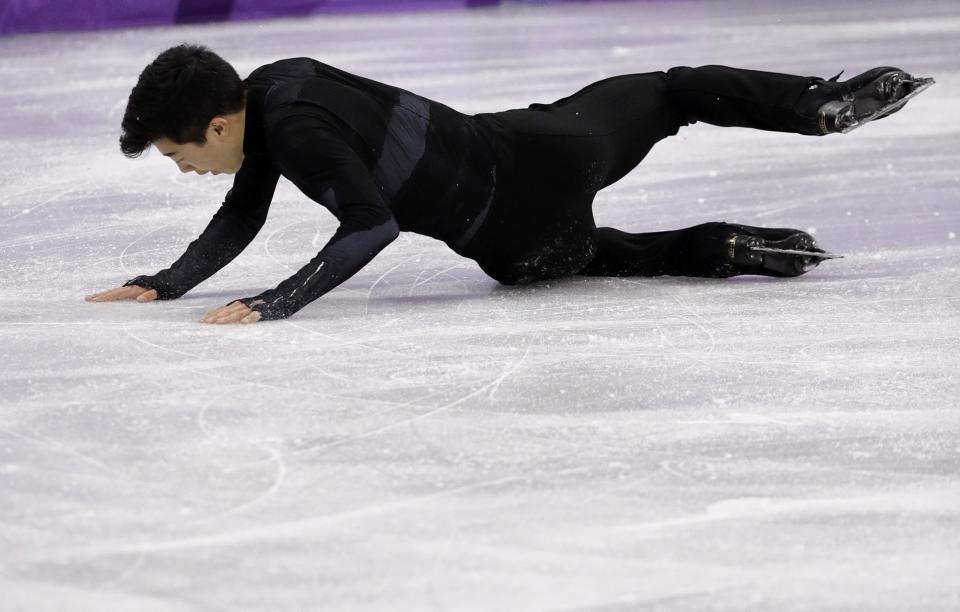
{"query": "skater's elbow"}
pixel 383 233
pixel 389 230
pixel 392 228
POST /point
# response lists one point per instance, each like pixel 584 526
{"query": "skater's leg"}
pixel 736 97
pixel 786 103
pixel 716 250
pixel 693 251
pixel 590 139
pixel 594 137
pixel 597 135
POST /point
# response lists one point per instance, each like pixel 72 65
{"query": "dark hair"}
pixel 177 95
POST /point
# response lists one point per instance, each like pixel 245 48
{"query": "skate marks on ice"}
pixel 931 503
pixel 277 531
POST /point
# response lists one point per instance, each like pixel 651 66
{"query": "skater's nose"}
pixel 185 167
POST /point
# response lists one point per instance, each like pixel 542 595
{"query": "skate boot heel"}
pixel 740 250
pixel 836 116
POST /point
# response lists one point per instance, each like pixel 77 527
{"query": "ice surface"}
pixel 422 438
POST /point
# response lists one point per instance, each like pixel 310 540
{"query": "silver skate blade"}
pixel 921 84
pixel 817 254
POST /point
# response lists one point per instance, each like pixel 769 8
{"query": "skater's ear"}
pixel 225 126
pixel 220 126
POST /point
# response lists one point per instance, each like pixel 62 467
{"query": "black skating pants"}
pixel 554 158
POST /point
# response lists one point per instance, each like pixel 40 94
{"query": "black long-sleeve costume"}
pixel 512 190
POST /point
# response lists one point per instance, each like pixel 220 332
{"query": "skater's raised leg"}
pixel 785 103
pixel 597 135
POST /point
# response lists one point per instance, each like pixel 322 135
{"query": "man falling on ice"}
pixel 511 190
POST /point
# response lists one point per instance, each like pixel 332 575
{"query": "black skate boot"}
pixel 773 252
pixel 871 95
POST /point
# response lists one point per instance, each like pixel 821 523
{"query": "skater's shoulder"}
pixel 286 69
pixel 296 68
pixel 290 80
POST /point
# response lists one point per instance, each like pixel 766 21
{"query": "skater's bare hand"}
pixel 232 313
pixel 130 292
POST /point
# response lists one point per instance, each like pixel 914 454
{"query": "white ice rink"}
pixel 424 439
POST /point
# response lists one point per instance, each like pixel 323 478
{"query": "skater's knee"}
pixel 505 274
pixel 676 80
pixel 684 75
pixel 710 226
pixel 677 77
pixel 542 264
pixel 510 277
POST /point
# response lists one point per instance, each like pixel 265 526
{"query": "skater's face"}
pixel 221 154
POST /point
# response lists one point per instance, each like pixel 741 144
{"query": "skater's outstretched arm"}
pixel 232 228
pixel 327 170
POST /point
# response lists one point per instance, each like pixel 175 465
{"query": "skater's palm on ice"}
pixel 131 292
pixel 232 313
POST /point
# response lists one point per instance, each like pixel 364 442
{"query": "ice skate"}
pixel 871 95
pixel 773 252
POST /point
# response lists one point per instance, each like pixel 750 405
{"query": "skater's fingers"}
pixel 232 308
pixel 101 296
pixel 253 317
pixel 214 314
pixel 233 317
pixel 120 293
pixel 211 316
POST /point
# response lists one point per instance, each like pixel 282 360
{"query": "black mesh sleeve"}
pixel 231 229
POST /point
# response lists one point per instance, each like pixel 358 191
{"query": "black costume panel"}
pixel 512 190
